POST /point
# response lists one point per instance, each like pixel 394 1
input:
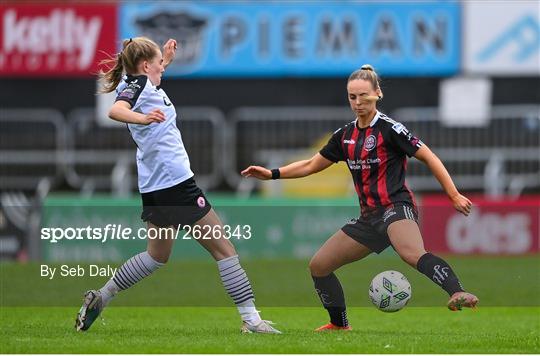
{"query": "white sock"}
pixel 237 285
pixel 108 291
pixel 132 271
pixel 249 313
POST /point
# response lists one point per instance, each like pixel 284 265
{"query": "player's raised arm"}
pixel 169 52
pixel 297 169
pixel 140 62
pixel 460 202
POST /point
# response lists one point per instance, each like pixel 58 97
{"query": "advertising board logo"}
pixel 524 35
pixel 282 38
pixel 61 32
pixel 187 28
pixel 490 232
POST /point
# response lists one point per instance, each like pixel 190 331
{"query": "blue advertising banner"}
pixel 274 38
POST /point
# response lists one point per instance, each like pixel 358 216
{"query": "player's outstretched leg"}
pixel 132 271
pixel 407 241
pixel 234 278
pixel 440 272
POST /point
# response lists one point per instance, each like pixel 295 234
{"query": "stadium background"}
pixel 265 83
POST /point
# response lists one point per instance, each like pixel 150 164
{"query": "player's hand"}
pixel 257 172
pixel 155 115
pixel 169 52
pixel 462 204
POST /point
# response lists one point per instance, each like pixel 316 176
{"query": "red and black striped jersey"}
pixel 377 159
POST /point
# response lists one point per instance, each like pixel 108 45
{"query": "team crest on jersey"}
pixel 370 143
pixel 201 202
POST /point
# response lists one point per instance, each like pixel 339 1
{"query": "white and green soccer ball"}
pixel 390 291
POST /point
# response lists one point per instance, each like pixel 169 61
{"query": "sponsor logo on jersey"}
pixel 370 143
pixel 352 142
pixel 127 93
pixel 399 128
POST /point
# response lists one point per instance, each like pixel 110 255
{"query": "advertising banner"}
pixel 75 229
pixel 499 227
pixel 502 38
pixel 269 38
pixel 55 40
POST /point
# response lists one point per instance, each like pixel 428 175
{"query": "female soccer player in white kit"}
pixel 169 194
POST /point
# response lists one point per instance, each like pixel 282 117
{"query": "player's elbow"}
pixel 113 114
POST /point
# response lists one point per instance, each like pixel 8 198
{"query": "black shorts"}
pixel 370 230
pixel 182 204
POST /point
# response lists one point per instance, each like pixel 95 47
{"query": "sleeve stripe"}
pixel 133 90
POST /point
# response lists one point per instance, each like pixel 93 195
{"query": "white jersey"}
pixel 162 160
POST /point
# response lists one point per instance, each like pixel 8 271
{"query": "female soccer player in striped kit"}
pixel 170 196
pixel 375 149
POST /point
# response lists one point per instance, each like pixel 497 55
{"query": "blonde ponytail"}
pixel 134 50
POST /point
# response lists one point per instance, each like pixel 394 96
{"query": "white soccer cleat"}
pixel 263 327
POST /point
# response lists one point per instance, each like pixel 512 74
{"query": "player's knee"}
pixel 411 257
pixel 223 251
pixel 317 268
pixel 159 257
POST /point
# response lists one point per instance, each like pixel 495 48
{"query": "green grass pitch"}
pixel 183 309
pixel 216 330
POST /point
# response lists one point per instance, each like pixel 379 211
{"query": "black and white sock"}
pixel 440 272
pixel 331 295
pixel 237 285
pixel 132 271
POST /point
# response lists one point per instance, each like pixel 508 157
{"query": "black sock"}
pixel 440 272
pixel 331 295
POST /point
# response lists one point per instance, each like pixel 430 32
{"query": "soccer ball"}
pixel 390 291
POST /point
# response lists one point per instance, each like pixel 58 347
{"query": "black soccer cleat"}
pixel 90 310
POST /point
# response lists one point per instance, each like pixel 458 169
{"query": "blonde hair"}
pixel 367 72
pixel 134 50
